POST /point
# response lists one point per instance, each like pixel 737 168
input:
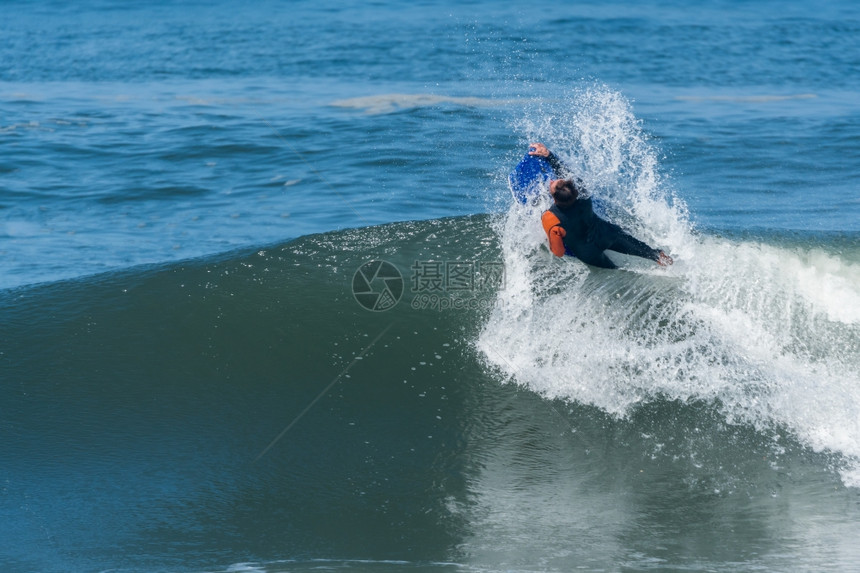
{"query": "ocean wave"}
pixel 767 332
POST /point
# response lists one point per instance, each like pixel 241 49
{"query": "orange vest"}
pixel 554 232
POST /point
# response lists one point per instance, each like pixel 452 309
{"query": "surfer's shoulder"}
pixel 549 220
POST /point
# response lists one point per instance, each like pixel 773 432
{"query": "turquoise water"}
pixel 187 192
pixel 139 135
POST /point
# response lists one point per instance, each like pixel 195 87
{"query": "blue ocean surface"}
pixel 206 366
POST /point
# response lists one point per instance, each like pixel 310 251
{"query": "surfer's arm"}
pixel 554 232
pixel 556 164
pixel 541 150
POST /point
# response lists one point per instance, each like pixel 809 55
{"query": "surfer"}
pixel 574 229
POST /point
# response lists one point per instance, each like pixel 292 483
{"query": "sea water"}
pixel 193 380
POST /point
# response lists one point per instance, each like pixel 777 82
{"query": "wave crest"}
pixel 768 332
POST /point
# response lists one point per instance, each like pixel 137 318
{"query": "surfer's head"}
pixel 563 191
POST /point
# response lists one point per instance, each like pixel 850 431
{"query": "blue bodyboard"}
pixel 530 178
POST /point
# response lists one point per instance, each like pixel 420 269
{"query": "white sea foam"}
pixel 388 103
pixel 767 332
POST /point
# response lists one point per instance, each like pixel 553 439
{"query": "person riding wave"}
pixel 574 229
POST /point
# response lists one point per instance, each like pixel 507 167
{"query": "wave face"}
pixel 249 410
pixel 288 407
pixel 768 332
pixel 244 408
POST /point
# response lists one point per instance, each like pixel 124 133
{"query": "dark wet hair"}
pixel 566 193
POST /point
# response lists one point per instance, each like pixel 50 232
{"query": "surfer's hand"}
pixel 538 149
pixel 664 260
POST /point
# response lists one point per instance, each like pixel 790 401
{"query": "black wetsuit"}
pixel 557 165
pixel 587 236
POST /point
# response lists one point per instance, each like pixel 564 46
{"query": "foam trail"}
pixel 390 103
pixel 767 333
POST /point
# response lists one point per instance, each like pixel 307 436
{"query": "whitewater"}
pixel 768 333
